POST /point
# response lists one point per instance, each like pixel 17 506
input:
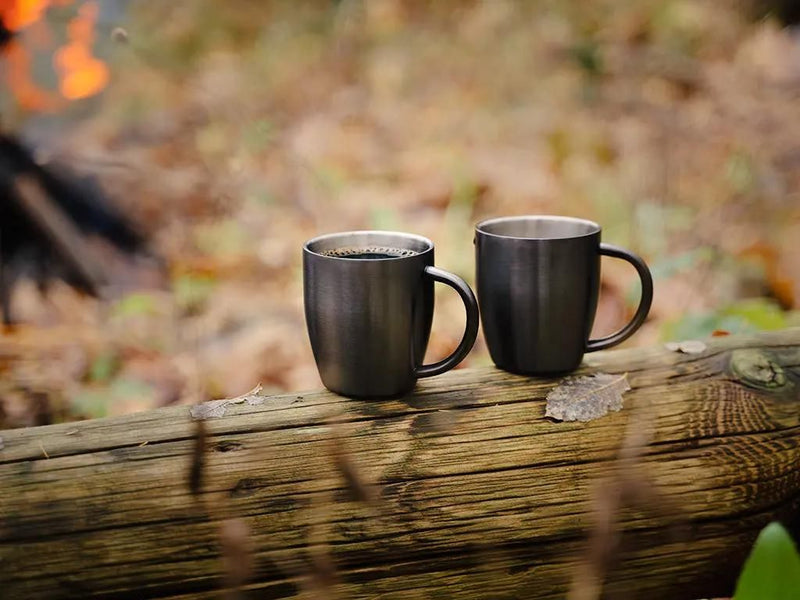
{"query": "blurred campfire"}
pixel 55 224
pixel 80 74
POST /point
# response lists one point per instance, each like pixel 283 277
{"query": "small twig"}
pixel 321 580
pixel 46 455
pixel 198 463
pixel 359 489
pixel 628 485
pixel 237 555
pixel 318 578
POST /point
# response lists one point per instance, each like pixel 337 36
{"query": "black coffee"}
pixel 368 252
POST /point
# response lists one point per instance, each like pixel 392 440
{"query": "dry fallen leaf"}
pixel 216 408
pixel 686 347
pixel 586 398
pixel 209 410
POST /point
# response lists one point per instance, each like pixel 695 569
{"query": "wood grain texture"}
pixel 479 495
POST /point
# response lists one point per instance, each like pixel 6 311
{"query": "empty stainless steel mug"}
pixel 369 307
pixel 538 282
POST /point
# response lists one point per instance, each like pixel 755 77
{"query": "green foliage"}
pixel 192 291
pixel 94 402
pixel 667 266
pixel 329 178
pixel 680 26
pixel 260 196
pixel 612 210
pixel 744 316
pixel 259 136
pixel 384 218
pixel 104 366
pixel 760 313
pixel 655 223
pixel 223 238
pixel 458 224
pixel 176 37
pixel 458 214
pixel 588 56
pixel 772 571
pixel 740 172
pixel 134 305
pixel 673 264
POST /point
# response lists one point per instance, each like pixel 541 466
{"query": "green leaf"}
pixel 89 403
pixel 104 366
pixel 128 387
pixel 223 238
pixel 694 326
pixel 589 57
pixel 762 313
pixel 94 401
pixel 745 316
pixel 384 218
pixel 670 265
pixel 772 571
pixel 740 173
pixel 134 305
pixel 192 291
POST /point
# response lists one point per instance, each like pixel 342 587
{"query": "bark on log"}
pixel 478 494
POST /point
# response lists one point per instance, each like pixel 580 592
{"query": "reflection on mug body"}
pixel 369 307
pixel 538 279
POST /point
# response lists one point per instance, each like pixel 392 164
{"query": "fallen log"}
pixel 461 490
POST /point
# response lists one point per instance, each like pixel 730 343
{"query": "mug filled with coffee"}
pixel 538 281
pixel 369 306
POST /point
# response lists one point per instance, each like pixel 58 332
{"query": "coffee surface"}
pixel 368 252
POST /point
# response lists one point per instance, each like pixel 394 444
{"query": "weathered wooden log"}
pixel 478 494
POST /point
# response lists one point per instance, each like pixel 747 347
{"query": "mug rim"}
pixel 594 227
pixel 401 234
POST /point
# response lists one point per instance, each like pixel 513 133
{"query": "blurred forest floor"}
pixel 234 131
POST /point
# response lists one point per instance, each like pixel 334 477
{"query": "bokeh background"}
pixel 231 132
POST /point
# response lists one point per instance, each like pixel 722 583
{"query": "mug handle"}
pixel 644 303
pixel 471 331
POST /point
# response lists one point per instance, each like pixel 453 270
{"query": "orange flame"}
pixel 80 74
pixel 18 14
pixel 25 91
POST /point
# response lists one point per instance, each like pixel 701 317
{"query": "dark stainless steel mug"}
pixel 538 282
pixel 369 307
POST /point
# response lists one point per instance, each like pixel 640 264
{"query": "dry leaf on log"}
pixel 686 347
pixel 216 408
pixel 586 398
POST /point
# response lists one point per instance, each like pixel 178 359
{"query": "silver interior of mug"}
pixel 367 239
pixel 538 227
